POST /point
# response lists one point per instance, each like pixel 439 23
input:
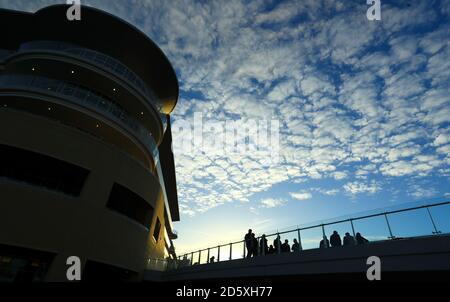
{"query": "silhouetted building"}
pixel 86 162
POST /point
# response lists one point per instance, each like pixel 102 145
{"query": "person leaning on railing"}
pixel 360 239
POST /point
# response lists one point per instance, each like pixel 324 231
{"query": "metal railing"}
pixel 427 220
pixel 97 58
pixel 82 97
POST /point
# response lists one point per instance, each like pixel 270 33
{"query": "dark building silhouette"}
pixel 86 162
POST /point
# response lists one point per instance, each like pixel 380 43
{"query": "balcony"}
pixel 83 99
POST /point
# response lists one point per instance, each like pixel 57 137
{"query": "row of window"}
pixel 41 170
pixel 57 175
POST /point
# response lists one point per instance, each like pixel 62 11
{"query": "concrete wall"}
pixel 37 218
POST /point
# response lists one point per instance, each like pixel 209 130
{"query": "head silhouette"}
pixel 249 231
pixel 335 232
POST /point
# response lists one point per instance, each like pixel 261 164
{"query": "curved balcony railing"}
pixel 113 65
pixel 85 98
pixel 421 219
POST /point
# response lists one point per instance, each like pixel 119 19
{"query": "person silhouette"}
pixel 248 243
pixel 212 259
pixel 335 239
pixel 285 247
pixel 360 239
pixel 254 246
pixel 277 244
pixel 349 240
pixel 324 243
pixel 271 249
pixel 296 246
pixel 263 245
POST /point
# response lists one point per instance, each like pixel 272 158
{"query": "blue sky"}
pixel 363 106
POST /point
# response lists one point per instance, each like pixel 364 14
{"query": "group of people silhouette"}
pixel 257 247
pixel 335 240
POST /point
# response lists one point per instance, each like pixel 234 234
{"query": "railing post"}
pixel 257 247
pixel 207 257
pixel 353 228
pixel 278 243
pixel 243 255
pixel 199 256
pixel 299 240
pixel 218 253
pixel 192 258
pixel 231 250
pixel 263 245
pixel 432 221
pixel 389 226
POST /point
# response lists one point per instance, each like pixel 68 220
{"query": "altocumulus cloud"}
pixel 357 100
pixel 301 195
pixel 272 202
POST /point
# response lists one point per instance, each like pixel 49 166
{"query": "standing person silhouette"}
pixel 335 239
pixel 248 243
pixel 349 240
pixel 254 245
pixel 264 250
pixel 296 246
pixel 324 243
pixel 285 247
pixel 277 244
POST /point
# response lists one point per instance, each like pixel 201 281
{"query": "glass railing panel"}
pixel 213 252
pixel 311 238
pixel 225 252
pixel 373 228
pixel 204 257
pixel 411 223
pixel 237 249
pixel 195 257
pixel 441 217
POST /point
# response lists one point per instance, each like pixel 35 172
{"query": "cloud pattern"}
pixel 360 103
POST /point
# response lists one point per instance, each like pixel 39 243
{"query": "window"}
pixel 130 204
pixel 157 229
pixel 19 264
pixel 41 170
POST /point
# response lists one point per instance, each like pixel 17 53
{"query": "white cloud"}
pixel 381 114
pixel 442 139
pixel 272 203
pixel 302 195
pixel 357 187
pixel 420 192
pixel 340 175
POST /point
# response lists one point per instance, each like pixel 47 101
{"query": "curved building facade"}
pixel 86 162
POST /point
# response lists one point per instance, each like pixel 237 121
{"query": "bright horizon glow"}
pixel 363 106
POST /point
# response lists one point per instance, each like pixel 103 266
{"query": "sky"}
pixel 363 107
